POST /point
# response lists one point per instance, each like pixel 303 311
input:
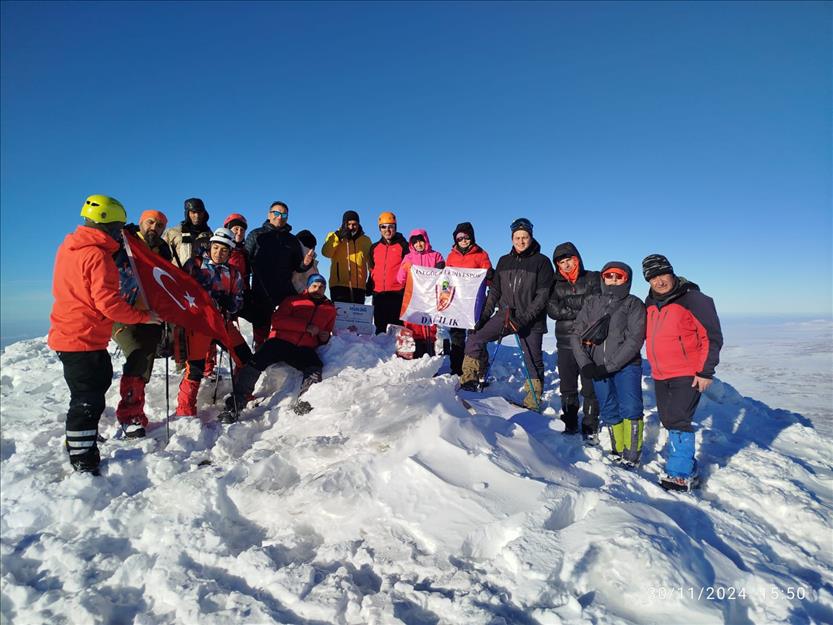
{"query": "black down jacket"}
pixel 521 284
pixel 567 298
pixel 274 254
pixel 626 332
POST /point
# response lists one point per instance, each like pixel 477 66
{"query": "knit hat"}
pixel 655 265
pixel 349 216
pixel 464 228
pixel 152 214
pixel 307 239
pixel 316 277
pixel 521 223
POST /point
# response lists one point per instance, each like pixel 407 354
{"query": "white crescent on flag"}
pixel 158 272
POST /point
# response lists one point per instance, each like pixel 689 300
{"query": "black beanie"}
pixel 349 216
pixel 466 228
pixel 307 239
pixel 655 265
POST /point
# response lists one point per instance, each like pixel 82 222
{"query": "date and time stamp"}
pixel 770 593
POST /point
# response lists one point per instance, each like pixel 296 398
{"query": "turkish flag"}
pixel 173 294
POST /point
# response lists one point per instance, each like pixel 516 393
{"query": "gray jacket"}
pixel 626 332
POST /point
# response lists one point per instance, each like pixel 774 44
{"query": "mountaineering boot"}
pixel 245 380
pixel 186 398
pixel 312 376
pixel 632 432
pixel 679 483
pixel 617 440
pixel 470 380
pixel 590 422
pixel 532 399
pixel 88 462
pixel 130 412
pixel 569 415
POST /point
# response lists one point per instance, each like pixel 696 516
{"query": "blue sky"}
pixel 697 130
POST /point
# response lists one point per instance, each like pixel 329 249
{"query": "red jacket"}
pixel 296 312
pixel 85 285
pixel 683 336
pixel 475 258
pixel 239 259
pixel 385 259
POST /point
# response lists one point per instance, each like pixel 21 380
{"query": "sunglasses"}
pixel 387 226
pixel 614 275
pixel 276 213
pixel 463 237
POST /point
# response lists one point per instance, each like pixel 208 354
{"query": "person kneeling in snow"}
pixel 607 337
pixel 683 341
pixel 225 285
pixel 299 325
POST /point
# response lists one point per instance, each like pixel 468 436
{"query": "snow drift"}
pixel 391 503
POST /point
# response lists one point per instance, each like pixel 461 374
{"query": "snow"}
pixel 391 503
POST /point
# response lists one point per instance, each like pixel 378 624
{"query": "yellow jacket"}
pixel 349 260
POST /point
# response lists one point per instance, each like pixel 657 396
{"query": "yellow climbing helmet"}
pixel 103 210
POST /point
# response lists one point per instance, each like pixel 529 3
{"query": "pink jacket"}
pixel 428 258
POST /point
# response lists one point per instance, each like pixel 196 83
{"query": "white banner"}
pixel 451 297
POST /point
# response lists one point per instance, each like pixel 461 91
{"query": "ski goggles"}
pixel 463 237
pixel 387 226
pixel 615 274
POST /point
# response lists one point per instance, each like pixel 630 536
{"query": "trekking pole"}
pixel 219 375
pixel 494 356
pixel 167 392
pixel 233 385
pixel 526 372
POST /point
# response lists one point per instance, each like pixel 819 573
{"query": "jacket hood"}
pixel 268 224
pixel 420 232
pixel 397 238
pixel 84 236
pixel 683 286
pixel 567 249
pixel 617 290
pixel 534 248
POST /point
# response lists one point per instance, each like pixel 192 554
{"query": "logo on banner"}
pixel 445 295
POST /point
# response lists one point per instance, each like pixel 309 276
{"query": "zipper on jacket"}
pixel 682 347
pixel 654 339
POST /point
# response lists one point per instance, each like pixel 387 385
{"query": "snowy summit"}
pixel 392 503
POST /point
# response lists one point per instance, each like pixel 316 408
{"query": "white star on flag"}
pixel 190 299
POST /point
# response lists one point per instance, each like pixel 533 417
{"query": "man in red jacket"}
pixel 385 259
pixel 300 324
pixel 683 341
pixel 85 285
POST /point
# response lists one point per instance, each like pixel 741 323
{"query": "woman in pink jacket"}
pixel 422 255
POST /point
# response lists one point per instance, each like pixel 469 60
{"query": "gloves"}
pixel 480 323
pixel 342 233
pixel 513 323
pixel 594 371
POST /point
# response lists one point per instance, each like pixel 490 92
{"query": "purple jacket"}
pixel 428 258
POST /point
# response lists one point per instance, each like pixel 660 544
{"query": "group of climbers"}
pixel 270 277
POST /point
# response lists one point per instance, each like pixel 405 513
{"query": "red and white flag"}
pixel 173 294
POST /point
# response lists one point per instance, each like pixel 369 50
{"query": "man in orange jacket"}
pixel 301 324
pixel 87 301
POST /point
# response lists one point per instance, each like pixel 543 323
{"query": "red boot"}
pixel 186 399
pixel 131 409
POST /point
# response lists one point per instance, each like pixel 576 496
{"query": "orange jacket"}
pixel 296 312
pixel 85 285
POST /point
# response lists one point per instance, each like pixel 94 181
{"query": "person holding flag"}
pixel 86 290
pixel 225 286
pixel 138 341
